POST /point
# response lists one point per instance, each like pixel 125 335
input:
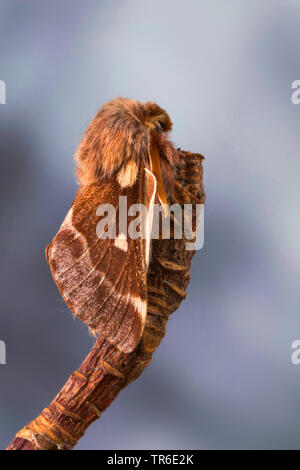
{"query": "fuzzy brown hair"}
pixel 121 131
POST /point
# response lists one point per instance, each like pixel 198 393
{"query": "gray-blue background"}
pixel 223 376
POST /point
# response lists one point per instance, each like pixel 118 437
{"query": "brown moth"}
pixel 125 151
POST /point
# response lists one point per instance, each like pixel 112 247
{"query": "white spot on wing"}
pixel 127 175
pixel 121 242
pixel 140 305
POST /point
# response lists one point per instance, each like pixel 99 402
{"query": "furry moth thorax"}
pixel 120 138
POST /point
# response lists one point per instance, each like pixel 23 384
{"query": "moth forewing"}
pixel 103 280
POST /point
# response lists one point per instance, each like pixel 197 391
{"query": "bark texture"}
pixel 106 370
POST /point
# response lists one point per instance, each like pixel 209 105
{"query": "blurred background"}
pixel 223 377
